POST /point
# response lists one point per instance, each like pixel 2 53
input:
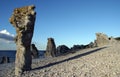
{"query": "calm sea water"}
pixel 11 54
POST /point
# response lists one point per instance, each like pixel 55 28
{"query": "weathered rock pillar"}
pixel 51 48
pixel 23 20
pixel 34 51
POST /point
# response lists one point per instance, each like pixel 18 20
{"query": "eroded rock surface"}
pixel 34 51
pixel 62 49
pixel 23 20
pixel 101 39
pixel 51 48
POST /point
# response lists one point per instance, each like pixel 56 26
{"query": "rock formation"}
pixel 77 47
pixel 51 48
pixel 102 39
pixel 23 20
pixel 91 45
pixel 34 51
pixel 113 41
pixel 5 59
pixel 62 49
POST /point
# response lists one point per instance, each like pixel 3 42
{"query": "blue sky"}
pixel 69 22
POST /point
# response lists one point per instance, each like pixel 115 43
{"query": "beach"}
pixel 92 62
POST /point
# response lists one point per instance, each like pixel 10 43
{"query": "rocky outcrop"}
pixel 101 39
pixel 23 20
pixel 77 47
pixel 34 51
pixel 5 59
pixel 51 48
pixel 113 41
pixel 91 45
pixel 62 49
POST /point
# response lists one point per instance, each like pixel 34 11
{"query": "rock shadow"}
pixel 71 58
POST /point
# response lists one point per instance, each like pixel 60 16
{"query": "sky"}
pixel 69 22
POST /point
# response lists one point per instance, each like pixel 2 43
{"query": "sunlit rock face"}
pixel 101 39
pixel 23 20
pixel 51 48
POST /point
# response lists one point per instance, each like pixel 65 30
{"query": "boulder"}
pixel 23 20
pixel 91 45
pixel 101 39
pixel 77 47
pixel 51 48
pixel 5 59
pixel 62 49
pixel 34 51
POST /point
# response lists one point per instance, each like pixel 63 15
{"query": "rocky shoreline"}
pixel 92 62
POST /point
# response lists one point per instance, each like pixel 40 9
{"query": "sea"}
pixel 11 54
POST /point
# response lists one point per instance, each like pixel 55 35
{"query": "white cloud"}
pixel 5 45
pixel 5 35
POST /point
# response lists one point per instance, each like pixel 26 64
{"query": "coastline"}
pixel 95 62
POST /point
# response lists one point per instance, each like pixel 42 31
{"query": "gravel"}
pixel 93 62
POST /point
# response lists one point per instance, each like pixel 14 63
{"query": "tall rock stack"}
pixel 51 48
pixel 23 20
pixel 101 39
pixel 34 51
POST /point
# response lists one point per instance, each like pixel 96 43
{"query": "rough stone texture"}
pixel 113 41
pixel 62 49
pixel 101 39
pixel 5 59
pixel 34 51
pixel 23 20
pixel 91 62
pixel 51 48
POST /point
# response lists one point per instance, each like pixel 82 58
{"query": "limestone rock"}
pixel 91 45
pixel 113 41
pixel 77 47
pixel 34 51
pixel 62 49
pixel 51 48
pixel 102 39
pixel 5 59
pixel 23 20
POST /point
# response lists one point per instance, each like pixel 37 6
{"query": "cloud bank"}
pixel 5 35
